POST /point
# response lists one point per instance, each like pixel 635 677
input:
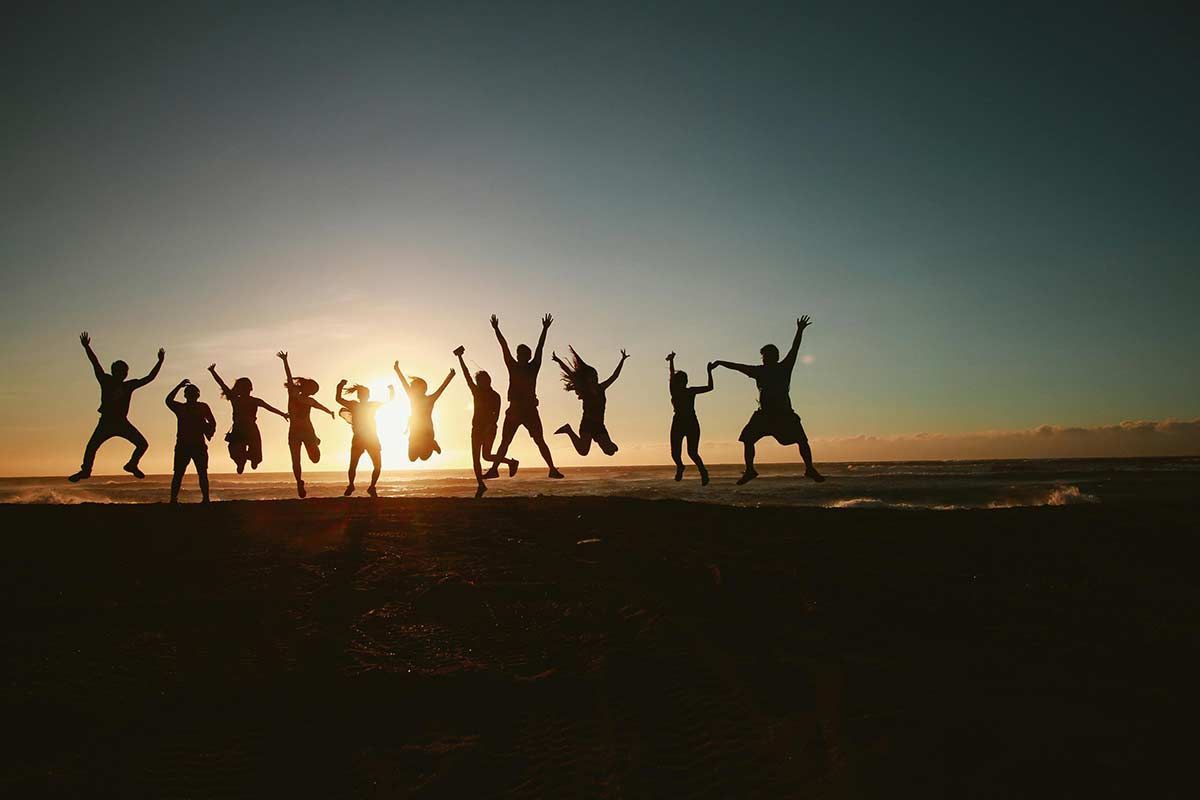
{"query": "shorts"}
pixel 783 425
pixel 304 436
pixel 195 454
pixel 528 416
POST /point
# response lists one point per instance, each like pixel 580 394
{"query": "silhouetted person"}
pixel 245 441
pixel 483 422
pixel 581 378
pixel 360 414
pixel 300 428
pixel 421 441
pixel 195 425
pixel 685 424
pixel 115 394
pixel 774 416
pixel 522 397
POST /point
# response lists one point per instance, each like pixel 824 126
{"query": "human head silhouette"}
pixel 483 379
pixel 364 394
pixel 307 386
pixel 679 379
pixel 419 384
pixel 770 354
pixel 120 370
pixel 242 387
pixel 191 392
pixel 524 354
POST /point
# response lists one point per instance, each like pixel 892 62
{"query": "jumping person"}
pixel 245 441
pixel 360 414
pixel 581 378
pixel 421 442
pixel 685 424
pixel 195 426
pixel 300 428
pixel 115 394
pixel 483 422
pixel 775 416
pixel 522 397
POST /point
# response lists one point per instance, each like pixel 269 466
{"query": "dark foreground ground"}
pixel 597 648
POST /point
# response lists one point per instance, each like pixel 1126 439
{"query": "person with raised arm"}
pixel 775 416
pixel 522 397
pixel 244 438
pixel 484 420
pixel 581 378
pixel 301 402
pixel 685 425
pixel 360 414
pixel 115 394
pixel 421 441
pixel 195 426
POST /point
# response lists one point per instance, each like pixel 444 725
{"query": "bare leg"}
pixel 583 445
pixel 98 437
pixel 809 470
pixel 356 452
pixel 506 437
pixel 180 465
pixel 202 475
pixel 693 450
pixel 677 452
pixel 486 448
pixel 376 467
pixel 140 446
pixel 750 473
pixel 540 441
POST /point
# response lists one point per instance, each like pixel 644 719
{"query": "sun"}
pixel 392 419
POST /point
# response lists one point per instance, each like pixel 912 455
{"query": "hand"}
pixel 671 356
pixel 396 365
pixel 212 367
pixel 803 322
pixel 547 320
pixel 343 382
pixel 624 355
pixel 288 417
pixel 458 351
pixel 184 382
pixel 332 415
pixel 282 355
pixel 161 354
pixel 85 339
pixel 495 322
pixel 391 388
pixel 452 372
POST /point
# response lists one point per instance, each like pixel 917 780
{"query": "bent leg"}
pixel 98 437
pixel 582 444
pixel 140 445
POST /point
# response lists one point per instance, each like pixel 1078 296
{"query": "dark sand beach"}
pixel 593 647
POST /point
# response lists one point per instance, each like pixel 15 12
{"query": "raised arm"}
pixel 391 393
pixel 702 389
pixel 86 340
pixel 458 351
pixel 445 383
pixel 341 401
pixel 171 401
pixel 790 359
pixel 153 373
pixel 616 372
pixel 541 345
pixel 287 369
pixel 508 357
pixel 272 409
pixel 400 375
pixel 224 389
pixel 745 369
pixel 671 366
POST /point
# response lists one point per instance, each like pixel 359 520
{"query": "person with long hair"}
pixel 421 441
pixel 522 397
pixel 684 423
pixel 360 414
pixel 581 378
pixel 301 434
pixel 483 422
pixel 115 394
pixel 244 438
pixel 195 426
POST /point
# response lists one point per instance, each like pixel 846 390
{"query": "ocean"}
pixel 938 485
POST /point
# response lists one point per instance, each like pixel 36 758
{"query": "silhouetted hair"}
pixel 191 391
pixel 307 386
pixel 419 384
pixel 524 353
pixel 770 353
pixel 242 387
pixel 120 369
pixel 579 376
pixel 482 378
pixel 679 380
pixel 362 391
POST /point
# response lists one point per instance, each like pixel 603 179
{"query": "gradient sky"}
pixel 991 215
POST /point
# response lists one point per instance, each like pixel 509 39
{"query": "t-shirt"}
pixel 245 409
pixel 522 383
pixel 593 405
pixel 362 418
pixel 684 401
pixel 115 396
pixel 487 407
pixel 774 386
pixel 195 424
pixel 298 409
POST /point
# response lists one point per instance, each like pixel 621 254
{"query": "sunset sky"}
pixel 993 223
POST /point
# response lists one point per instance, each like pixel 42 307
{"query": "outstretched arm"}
pixel 508 357
pixel 616 372
pixel 341 401
pixel 790 359
pixel 171 401
pixel 466 372
pixel 541 345
pixel 400 375
pixel 153 373
pixel 709 387
pixel 272 409
pixel 86 341
pixel 287 369
pixel 314 403
pixel 745 369
pixel 213 369
pixel 445 383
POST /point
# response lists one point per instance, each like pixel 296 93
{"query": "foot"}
pixel 241 467
pixel 349 491
pixel 133 470
pixel 300 489
pixel 174 501
pixel 812 474
pixel 556 474
pixel 512 467
pixel 79 476
pixel 204 500
pixel 371 491
pixel 747 476
pixel 494 472
pixel 679 473
pixel 704 477
pixel 563 429
pixel 480 489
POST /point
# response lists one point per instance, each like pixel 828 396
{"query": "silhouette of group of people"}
pixel 196 424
